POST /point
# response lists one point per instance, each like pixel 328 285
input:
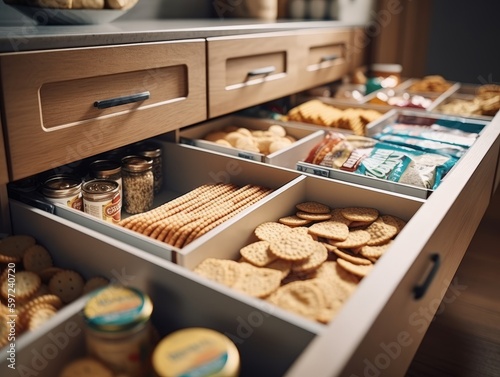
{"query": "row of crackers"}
pixel 311 261
pixel 319 113
pixel 189 216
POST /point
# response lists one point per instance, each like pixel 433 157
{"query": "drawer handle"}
pixel 419 290
pixel 106 103
pixel 329 58
pixel 262 71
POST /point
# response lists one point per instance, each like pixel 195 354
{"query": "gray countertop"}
pixel 29 37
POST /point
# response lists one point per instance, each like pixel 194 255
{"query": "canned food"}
pixel 64 189
pixel 101 199
pixel 196 351
pixel 118 329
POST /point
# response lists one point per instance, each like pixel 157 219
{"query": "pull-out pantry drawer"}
pixel 378 328
pixel 65 105
pixel 248 70
pixel 325 56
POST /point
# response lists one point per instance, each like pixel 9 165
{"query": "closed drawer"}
pixel 65 105
pixel 248 70
pixel 325 56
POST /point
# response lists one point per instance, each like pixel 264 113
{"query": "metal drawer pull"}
pixel 262 71
pixel 329 58
pixel 104 104
pixel 419 290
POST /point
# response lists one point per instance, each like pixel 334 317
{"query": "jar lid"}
pixel 100 189
pixel 100 168
pixel 149 149
pixel 196 351
pixel 117 308
pixel 61 185
pixel 137 163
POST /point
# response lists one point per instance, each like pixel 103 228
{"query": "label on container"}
pixel 107 210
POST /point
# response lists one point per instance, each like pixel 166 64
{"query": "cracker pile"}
pixel 432 83
pixel 184 219
pixel 486 102
pixel 311 261
pixel 259 141
pixel 322 114
pixel 32 287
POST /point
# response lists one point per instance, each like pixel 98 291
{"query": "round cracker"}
pixel 356 238
pixel 37 258
pixel 257 281
pixel 293 246
pixel 14 246
pixel 355 269
pixel 219 270
pixel 313 216
pixel 330 229
pixel 294 221
pixel 26 284
pixel 362 214
pixel 270 231
pixel 319 255
pixel 313 207
pixel 258 253
pixel 67 284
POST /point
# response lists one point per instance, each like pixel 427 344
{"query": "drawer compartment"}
pixel 305 137
pixel 183 172
pixel 180 298
pixel 326 57
pixel 247 70
pixel 79 102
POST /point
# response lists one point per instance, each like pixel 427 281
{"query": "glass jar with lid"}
pixel 118 329
pixel 153 150
pixel 107 169
pixel 138 184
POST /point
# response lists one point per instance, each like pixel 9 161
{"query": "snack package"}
pixel 372 158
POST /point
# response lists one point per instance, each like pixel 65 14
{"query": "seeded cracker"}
pixel 270 231
pixel 256 281
pixel 381 231
pixel 293 246
pixel 330 229
pixel 258 253
pixel 313 207
pixel 362 214
pixel 319 255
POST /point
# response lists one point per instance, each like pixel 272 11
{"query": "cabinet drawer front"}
pixel 325 57
pixel 247 70
pixel 358 48
pixel 65 105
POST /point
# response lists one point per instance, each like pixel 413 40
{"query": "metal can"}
pixel 118 329
pixel 101 199
pixel 107 169
pixel 153 151
pixel 196 351
pixel 64 189
pixel 138 184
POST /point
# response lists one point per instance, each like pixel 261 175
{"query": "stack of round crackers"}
pixel 31 287
pixel 322 114
pixel 311 261
pixel 184 219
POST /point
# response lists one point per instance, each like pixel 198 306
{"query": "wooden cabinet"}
pixel 64 105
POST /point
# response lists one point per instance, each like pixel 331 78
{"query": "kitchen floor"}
pixel 464 338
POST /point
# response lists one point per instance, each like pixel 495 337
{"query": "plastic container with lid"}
pixel 138 184
pixel 118 329
pixel 196 351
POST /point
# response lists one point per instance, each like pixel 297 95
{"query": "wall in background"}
pixel 464 39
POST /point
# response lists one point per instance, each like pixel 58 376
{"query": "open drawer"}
pixel 65 105
pixel 380 326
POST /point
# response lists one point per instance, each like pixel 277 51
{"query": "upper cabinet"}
pixel 64 105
